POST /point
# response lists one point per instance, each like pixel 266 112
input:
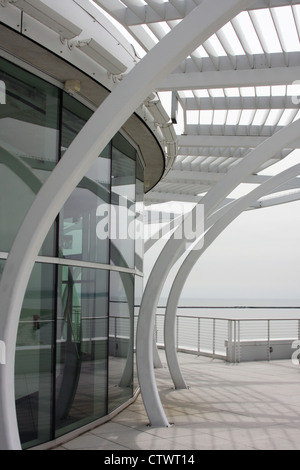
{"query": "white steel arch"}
pixel 176 247
pixel 224 217
pixel 109 118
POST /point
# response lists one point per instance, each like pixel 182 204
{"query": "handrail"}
pixel 233 339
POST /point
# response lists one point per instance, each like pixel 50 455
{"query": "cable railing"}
pixel 231 339
pixel 234 340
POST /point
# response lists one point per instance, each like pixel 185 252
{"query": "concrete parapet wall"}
pixel 259 350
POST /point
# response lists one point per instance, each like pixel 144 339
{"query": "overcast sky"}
pixel 256 257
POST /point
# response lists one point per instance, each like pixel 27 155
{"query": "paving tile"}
pixel 275 444
pixel 228 407
pixel 210 442
pixel 154 443
pixel 90 441
pixel 125 437
pixel 111 427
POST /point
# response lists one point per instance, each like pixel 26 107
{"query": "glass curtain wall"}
pixel 75 346
pixel 122 284
pixel 29 145
pixel 81 355
pixel 81 359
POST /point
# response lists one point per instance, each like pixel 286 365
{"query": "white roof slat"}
pixel 172 10
pixel 246 33
pixel 284 21
pixel 296 14
pixel 262 4
pixel 114 7
pixel 266 31
pixel 231 43
pixel 233 89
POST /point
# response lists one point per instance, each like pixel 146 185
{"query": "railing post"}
pixel 229 341
pixel 156 329
pixel 239 341
pixel 177 332
pixel 116 339
pixel 214 339
pixel 234 341
pixel 269 345
pixel 199 329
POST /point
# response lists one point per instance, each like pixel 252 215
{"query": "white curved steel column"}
pixel 148 244
pixel 175 248
pixel 207 18
pixel 232 211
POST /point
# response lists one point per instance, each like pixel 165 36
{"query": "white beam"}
pixel 155 197
pixel 219 141
pixel 268 102
pixel 291 185
pixel 260 61
pixel 207 152
pixel 230 78
pixel 278 200
pixel 202 183
pixel 242 130
pixel 225 141
pixel 180 177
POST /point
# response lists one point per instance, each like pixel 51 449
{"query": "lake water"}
pixel 238 308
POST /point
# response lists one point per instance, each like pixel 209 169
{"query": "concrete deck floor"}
pixel 228 407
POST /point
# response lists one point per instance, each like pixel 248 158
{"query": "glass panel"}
pixel 120 339
pixel 139 223
pixel 80 215
pixel 123 202
pixel 28 147
pixel 81 370
pixel 34 354
pixel 138 294
pixel 2 264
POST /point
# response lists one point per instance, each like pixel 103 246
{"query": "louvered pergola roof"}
pixel 234 91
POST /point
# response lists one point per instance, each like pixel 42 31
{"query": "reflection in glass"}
pixel 123 202
pixel 64 376
pixel 120 385
pixel 34 358
pixel 138 294
pixel 81 360
pixel 2 263
pixel 79 217
pixel 31 109
pixel 139 213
